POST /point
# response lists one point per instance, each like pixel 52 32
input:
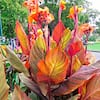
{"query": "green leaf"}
pixel 15 61
pixel 33 96
pixel 7 64
pixel 19 95
pixel 4 88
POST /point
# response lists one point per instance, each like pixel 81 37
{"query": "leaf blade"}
pixel 65 38
pixel 15 61
pixel 4 88
pixel 32 85
pixel 58 31
pixel 19 95
pixel 37 53
pixel 55 65
pixel 22 37
pixel 76 80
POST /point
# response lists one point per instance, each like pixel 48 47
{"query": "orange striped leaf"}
pixel 76 80
pixel 22 37
pixel 54 66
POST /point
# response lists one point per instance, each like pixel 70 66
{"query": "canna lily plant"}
pixel 56 67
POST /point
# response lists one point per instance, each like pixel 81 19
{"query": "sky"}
pixel 95 4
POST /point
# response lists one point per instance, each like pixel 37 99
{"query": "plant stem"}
pixel 47 37
pixel 59 14
pixel 49 91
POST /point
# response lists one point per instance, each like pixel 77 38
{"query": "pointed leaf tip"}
pixel 22 37
pixel 58 31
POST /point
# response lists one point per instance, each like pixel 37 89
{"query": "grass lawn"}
pixel 94 47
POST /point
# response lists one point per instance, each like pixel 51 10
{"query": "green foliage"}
pixel 98 27
pixel 54 10
pixel 83 17
pixel 92 38
pixel 11 10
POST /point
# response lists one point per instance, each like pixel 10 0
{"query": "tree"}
pixel 98 27
pixel 11 10
pixel 83 3
pixel 83 17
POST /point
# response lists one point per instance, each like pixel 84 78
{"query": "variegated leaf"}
pixel 37 53
pixel 22 37
pixel 54 66
pixel 4 88
pixel 15 61
pixel 76 80
pixel 65 38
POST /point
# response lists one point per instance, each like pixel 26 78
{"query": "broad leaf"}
pixel 40 42
pixel 93 93
pixel 76 64
pixel 93 88
pixel 58 31
pixel 82 56
pixel 19 95
pixel 37 53
pixel 65 38
pixel 32 85
pixel 4 88
pixel 74 48
pixel 76 80
pixel 22 37
pixel 44 88
pixel 55 65
pixel 53 43
pixel 15 61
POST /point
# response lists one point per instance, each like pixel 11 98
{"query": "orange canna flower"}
pixel 63 4
pixel 30 4
pixel 42 16
pixel 33 17
pixel 85 29
pixel 73 10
